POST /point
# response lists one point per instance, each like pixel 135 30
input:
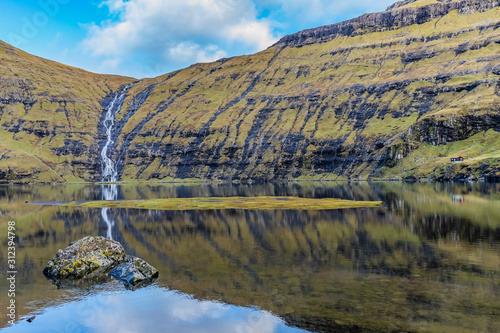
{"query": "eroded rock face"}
pixel 134 272
pixel 395 16
pixel 89 255
pixel 350 100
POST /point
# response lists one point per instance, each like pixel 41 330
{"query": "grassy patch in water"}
pixel 250 203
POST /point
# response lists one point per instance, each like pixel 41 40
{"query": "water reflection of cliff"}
pixel 421 264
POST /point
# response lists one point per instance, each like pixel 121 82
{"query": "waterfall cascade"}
pixel 109 170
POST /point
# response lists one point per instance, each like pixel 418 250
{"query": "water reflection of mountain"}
pixel 421 264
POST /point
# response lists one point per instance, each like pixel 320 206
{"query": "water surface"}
pixel 428 261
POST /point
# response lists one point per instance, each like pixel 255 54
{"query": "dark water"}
pixel 429 261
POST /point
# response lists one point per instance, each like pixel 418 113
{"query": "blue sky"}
pixel 146 38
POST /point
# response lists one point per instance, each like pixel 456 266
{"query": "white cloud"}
pixel 110 64
pixel 188 50
pixel 253 33
pixel 149 309
pixel 152 37
pixel 181 32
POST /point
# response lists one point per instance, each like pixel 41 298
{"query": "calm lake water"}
pixel 428 261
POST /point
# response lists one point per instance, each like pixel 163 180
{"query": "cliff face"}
pixel 401 14
pixel 392 94
pixel 49 116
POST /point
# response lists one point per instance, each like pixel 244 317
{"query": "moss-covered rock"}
pixel 88 255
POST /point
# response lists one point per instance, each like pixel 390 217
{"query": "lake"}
pixel 427 261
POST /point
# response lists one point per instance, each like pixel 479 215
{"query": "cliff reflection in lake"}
pixel 422 264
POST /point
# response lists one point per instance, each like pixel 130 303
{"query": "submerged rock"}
pixel 87 282
pixel 134 272
pixel 88 255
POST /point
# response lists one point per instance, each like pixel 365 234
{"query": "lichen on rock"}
pixel 85 263
pixel 83 257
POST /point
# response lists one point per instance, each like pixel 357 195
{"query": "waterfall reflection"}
pixel 363 268
pixel 109 193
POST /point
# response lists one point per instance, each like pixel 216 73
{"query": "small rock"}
pixel 85 256
pixel 134 272
pixel 30 319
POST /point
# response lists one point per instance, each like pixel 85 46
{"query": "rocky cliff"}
pixel 401 14
pixel 49 118
pixel 386 95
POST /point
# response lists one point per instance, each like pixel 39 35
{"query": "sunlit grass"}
pixel 250 203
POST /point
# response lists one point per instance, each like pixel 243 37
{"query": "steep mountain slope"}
pixel 387 94
pixel 392 94
pixel 49 118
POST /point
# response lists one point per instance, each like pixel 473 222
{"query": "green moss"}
pixel 388 125
pixel 420 3
pixel 250 203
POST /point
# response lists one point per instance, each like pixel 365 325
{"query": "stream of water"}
pixel 109 170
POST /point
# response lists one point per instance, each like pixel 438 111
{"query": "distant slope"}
pixel 49 116
pixel 392 94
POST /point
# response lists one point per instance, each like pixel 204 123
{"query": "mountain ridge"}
pixel 385 103
pixel 398 15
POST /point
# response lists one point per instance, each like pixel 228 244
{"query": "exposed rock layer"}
pixel 393 94
pixel 401 14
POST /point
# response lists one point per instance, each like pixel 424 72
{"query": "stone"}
pixel 84 264
pixel 134 272
pixel 86 256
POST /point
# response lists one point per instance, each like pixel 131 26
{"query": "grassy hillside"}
pixel 389 103
pixel 393 94
pixel 49 118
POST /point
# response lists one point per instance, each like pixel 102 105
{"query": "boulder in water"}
pixel 88 255
pixel 134 272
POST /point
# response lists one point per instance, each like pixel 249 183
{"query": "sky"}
pixel 147 38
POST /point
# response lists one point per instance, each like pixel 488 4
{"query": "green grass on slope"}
pixel 305 95
pixel 271 114
pixel 45 105
pixel 480 149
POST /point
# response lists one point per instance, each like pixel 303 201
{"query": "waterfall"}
pixel 109 170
